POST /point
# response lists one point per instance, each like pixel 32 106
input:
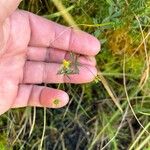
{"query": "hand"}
pixel 31 52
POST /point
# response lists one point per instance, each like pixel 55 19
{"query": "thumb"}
pixel 7 7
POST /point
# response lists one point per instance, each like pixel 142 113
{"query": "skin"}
pixel 31 52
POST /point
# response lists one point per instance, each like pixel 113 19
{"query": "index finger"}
pixel 45 33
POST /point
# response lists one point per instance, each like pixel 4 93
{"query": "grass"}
pixel 112 113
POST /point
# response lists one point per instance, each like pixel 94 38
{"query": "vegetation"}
pixel 113 112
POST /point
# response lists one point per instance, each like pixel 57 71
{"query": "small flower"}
pixel 97 79
pixel 65 67
pixel 69 66
pixel 66 64
pixel 56 102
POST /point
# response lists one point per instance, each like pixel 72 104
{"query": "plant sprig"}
pixel 70 66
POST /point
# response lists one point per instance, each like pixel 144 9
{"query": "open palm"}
pixel 32 50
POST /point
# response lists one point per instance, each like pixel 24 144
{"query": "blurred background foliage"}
pixel 91 120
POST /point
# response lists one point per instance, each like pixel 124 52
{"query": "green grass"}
pixel 92 120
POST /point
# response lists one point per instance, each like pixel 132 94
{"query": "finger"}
pixel 46 33
pixel 56 56
pixel 40 72
pixel 32 95
pixel 7 7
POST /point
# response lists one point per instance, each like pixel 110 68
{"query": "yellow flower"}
pixel 56 102
pixel 66 64
pixel 97 79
